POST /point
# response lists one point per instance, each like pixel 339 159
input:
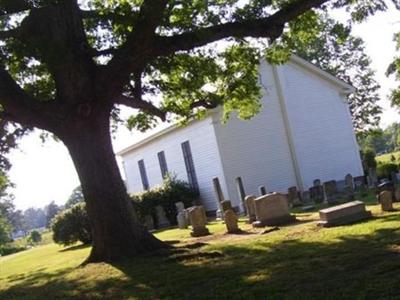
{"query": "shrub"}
pixel 72 225
pixel 171 191
pixel 35 237
pixel 7 250
pixel 384 170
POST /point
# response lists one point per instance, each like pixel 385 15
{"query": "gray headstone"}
pixel 179 206
pixel 241 192
pixel 271 210
pixel 182 219
pixel 231 221
pixel 317 193
pixel 262 190
pixel 251 213
pixel 316 182
pixel 162 220
pixel 218 190
pixel 198 221
pixel 294 196
pixel 330 190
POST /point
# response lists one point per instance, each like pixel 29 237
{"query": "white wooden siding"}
pixel 321 126
pixel 257 150
pixel 201 137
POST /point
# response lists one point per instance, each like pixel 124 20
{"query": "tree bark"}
pixel 115 230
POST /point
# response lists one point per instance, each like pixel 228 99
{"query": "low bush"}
pixel 7 250
pixel 166 195
pixel 72 225
pixel 384 170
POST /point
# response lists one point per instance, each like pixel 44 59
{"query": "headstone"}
pixel 385 199
pixel 359 182
pixel 251 213
pixel 231 221
pixel 162 220
pixel 397 194
pixel 241 192
pixel 225 205
pixel 198 221
pixel 219 215
pixel 305 196
pixel 341 185
pixel 317 193
pixel 218 190
pixel 343 214
pixel 330 189
pixel 180 206
pixel 271 210
pixel 182 220
pixel 294 197
pixel 262 190
pixel 349 181
pixel 316 182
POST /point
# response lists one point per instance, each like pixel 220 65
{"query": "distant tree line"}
pixel 381 140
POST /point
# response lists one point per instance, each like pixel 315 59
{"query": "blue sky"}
pixel 44 172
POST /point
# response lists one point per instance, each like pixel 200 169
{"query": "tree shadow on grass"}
pixel 76 247
pixel 349 267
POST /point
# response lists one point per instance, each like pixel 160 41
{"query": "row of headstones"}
pixel 328 191
pixel 196 217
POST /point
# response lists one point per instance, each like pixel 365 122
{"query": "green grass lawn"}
pixel 300 261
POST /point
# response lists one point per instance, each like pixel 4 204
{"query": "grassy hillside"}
pixel 300 261
pixel 387 157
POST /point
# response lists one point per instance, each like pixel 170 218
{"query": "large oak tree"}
pixel 66 64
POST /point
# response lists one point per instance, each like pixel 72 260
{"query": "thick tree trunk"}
pixel 115 230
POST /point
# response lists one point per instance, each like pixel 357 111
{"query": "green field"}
pixel 300 261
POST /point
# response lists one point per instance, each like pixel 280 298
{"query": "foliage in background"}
pixel 34 237
pixel 34 218
pixel 51 211
pixel 385 169
pixel 75 197
pixel 381 140
pixel 72 225
pixel 172 190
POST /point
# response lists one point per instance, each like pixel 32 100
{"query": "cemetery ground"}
pixel 298 261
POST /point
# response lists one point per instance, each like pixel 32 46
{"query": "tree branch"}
pixel 269 27
pixel 203 103
pixel 113 17
pixel 8 7
pixel 19 106
pixel 133 54
pixel 141 104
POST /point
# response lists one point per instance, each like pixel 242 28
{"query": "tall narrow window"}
pixel 191 173
pixel 143 174
pixel 163 163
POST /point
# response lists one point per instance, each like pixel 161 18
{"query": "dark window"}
pixel 163 163
pixel 143 174
pixel 191 173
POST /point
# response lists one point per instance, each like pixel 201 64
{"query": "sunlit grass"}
pixel 299 261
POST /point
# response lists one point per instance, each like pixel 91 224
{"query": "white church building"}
pixel 303 132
